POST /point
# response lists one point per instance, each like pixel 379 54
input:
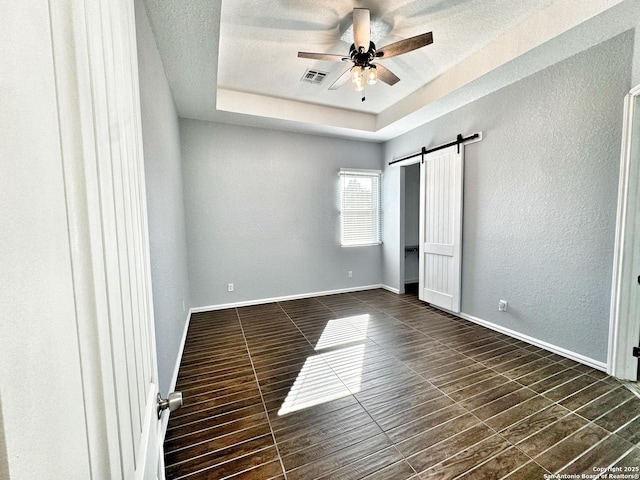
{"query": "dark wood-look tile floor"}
pixel 381 386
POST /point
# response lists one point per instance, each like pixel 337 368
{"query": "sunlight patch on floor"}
pixel 341 344
pixel 347 363
pixel 343 331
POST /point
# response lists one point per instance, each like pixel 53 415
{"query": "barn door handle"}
pixel 172 402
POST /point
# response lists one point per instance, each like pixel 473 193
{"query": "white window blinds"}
pixel 360 207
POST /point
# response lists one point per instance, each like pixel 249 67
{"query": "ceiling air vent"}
pixel 314 76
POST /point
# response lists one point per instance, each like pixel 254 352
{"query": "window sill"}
pixel 362 245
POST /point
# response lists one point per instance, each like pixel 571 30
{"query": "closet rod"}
pixel 424 150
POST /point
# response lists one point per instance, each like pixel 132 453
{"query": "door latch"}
pixel 172 402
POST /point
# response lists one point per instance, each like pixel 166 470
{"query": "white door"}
pixel 441 228
pixel 96 75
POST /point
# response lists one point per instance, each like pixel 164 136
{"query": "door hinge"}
pixel 636 351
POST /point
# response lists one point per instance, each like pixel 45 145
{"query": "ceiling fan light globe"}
pixel 357 75
pixel 372 75
pixel 359 83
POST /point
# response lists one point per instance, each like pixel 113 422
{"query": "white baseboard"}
pixel 262 301
pixel 538 343
pixel 176 368
pixel 390 289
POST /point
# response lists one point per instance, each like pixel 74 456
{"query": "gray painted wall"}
pixel 539 200
pixel 165 206
pixel 635 76
pixel 262 213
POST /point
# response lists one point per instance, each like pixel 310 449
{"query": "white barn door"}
pixel 441 227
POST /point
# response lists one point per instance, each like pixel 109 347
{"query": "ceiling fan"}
pixel 363 54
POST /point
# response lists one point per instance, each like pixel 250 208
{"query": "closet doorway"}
pixel 411 223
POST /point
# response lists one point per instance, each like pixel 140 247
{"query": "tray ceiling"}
pixel 236 60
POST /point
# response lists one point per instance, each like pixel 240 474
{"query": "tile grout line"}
pixel 511 447
pixel 508 474
pixel 264 405
pixel 634 387
pixel 626 424
pixel 205 441
pixel 205 469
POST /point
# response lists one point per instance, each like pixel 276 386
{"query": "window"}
pixel 359 207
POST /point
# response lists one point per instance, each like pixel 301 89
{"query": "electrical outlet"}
pixel 349 274
pixel 502 305
pixel 229 287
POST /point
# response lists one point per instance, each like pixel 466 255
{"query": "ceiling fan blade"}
pixel 342 79
pixel 385 75
pixel 361 28
pixel 404 46
pixel 330 57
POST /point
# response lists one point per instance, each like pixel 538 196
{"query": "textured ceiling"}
pixel 259 41
pixel 236 60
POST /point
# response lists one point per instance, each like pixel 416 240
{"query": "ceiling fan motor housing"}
pixel 360 58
